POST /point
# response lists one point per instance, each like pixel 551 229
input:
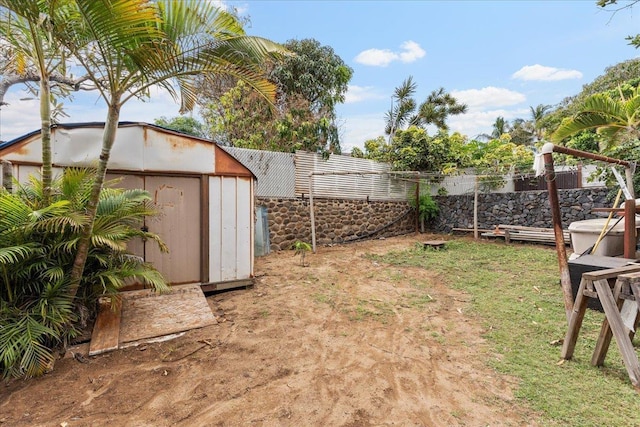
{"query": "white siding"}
pixel 231 228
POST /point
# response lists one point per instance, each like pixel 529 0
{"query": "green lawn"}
pixel 515 292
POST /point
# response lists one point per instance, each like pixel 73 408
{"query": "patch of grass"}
pixel 417 300
pixel 371 309
pixel 515 292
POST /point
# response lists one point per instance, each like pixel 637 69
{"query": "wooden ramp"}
pixel 144 315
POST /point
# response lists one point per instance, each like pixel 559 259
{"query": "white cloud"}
pixel 361 93
pixel 476 123
pixel 360 128
pixel 21 117
pixel 410 52
pixel 541 73
pixel 490 96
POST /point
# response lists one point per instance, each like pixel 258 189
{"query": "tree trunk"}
pixel 108 138
pixel 45 132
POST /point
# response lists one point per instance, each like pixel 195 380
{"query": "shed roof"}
pixel 225 161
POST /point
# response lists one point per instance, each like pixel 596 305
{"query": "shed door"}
pixel 179 224
pixel 178 200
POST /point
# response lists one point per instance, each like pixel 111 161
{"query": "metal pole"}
pixel 563 263
pixel 475 211
pixel 313 218
pixel 418 206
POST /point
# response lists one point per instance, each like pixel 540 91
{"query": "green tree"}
pixel 537 117
pixel 183 124
pixel 357 153
pixel 521 132
pixel 129 46
pixel 500 126
pixel 31 54
pixel 435 110
pixel 615 119
pixel 402 108
pixel 311 81
pixel 413 149
pixel 314 73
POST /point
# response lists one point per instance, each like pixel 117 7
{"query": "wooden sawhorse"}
pixel 612 287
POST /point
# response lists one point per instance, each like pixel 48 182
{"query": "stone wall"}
pixel 343 220
pixel 526 208
pixel 337 220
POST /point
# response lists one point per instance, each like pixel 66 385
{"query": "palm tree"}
pixel 26 29
pixel 130 46
pixel 537 114
pixel 402 108
pixel 616 119
pixel 37 243
pixel 500 126
pixel 437 108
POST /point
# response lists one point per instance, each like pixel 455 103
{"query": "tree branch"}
pixel 30 76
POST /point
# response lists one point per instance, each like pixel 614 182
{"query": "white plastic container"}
pixel 585 233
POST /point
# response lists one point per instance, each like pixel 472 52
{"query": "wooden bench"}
pixel 434 244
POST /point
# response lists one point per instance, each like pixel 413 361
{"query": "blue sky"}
pixel 498 57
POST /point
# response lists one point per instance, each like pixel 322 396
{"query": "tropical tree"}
pixel 31 54
pixel 402 108
pixel 615 119
pixel 435 110
pixel 183 124
pixel 311 82
pixel 500 126
pixel 130 46
pixel 537 116
pixel 521 131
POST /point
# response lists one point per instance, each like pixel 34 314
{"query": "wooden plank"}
pixel 575 322
pixel 627 351
pixel 610 273
pixel 106 331
pixel 605 335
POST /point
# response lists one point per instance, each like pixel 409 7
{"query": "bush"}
pixel 38 242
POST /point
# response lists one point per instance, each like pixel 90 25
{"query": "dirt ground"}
pixel 345 341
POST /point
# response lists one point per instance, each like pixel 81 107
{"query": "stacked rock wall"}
pixel 526 208
pixel 337 220
pixel 345 220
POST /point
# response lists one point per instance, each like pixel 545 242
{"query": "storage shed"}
pixel 204 194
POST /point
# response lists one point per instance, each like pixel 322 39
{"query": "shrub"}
pixel 37 250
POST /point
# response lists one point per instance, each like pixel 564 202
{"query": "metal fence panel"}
pixel 275 171
pixel 338 177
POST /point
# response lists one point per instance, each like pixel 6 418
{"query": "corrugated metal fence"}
pixel 285 175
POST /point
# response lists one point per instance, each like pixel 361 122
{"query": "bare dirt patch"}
pixel 345 341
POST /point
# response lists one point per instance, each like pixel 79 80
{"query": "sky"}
pixel 498 57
